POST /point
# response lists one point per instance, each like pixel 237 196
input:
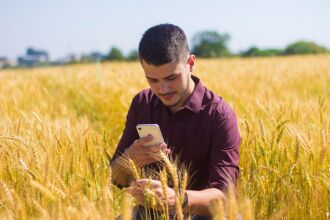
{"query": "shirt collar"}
pixel 194 102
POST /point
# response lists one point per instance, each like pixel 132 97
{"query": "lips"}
pixel 168 96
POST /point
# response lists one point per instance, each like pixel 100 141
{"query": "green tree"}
pixel 133 55
pixel 210 44
pixel 115 54
pixel 256 52
pixel 304 47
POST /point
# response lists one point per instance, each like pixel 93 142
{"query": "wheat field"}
pixel 59 127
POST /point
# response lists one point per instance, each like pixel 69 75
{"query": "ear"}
pixel 191 62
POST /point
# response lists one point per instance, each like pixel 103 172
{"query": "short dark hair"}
pixel 163 44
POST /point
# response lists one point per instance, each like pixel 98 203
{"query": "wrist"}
pixel 127 153
pixel 185 201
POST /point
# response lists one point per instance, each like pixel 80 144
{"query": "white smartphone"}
pixel 150 129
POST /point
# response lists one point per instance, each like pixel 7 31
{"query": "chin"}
pixel 171 103
pixel 167 103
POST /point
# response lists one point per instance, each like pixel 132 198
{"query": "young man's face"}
pixel 171 82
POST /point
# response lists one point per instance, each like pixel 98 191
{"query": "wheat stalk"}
pixel 134 170
pixel 45 191
pixel 216 208
pixel 126 210
pixel 231 204
pixel 247 210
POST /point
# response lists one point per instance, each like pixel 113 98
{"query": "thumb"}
pixel 129 190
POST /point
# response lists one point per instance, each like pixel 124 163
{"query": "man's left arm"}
pixel 199 200
pixel 223 166
pixel 224 156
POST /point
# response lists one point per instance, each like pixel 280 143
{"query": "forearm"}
pixel 199 201
pixel 119 174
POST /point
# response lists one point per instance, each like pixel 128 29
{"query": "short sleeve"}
pixel 224 156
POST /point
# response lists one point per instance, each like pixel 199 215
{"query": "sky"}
pixel 81 27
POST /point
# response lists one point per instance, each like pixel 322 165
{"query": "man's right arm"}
pixel 132 147
pixel 120 176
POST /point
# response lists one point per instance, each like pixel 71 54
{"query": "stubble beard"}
pixel 184 95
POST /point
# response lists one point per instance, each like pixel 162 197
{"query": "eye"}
pixel 172 78
pixel 152 80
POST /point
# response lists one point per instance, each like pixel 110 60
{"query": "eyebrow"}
pixel 167 77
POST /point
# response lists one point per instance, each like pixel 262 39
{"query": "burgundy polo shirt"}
pixel 203 135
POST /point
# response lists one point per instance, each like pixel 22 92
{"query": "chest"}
pixel 187 134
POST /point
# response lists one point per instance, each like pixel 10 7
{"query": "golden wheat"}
pixel 55 148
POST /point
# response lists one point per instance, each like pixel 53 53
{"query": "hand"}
pixel 139 189
pixel 143 155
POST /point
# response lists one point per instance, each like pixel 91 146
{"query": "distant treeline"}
pixel 211 44
pixel 299 47
pixel 205 44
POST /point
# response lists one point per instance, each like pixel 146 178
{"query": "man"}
pixel 197 125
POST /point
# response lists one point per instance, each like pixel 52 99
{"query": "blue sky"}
pixel 65 26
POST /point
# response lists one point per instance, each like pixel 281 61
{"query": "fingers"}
pixel 133 190
pixel 159 147
pixel 135 149
pixel 130 190
pixel 140 189
pixel 154 150
pixel 137 193
pixel 140 143
pixel 144 183
pixel 165 149
pixel 168 151
pixel 143 155
pixel 143 140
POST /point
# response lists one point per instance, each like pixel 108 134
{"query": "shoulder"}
pixel 217 106
pixel 140 104
pixel 223 119
pixel 144 97
pixel 144 101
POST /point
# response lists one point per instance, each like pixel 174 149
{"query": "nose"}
pixel 163 88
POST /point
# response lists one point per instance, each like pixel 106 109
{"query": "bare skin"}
pixel 198 201
pixel 141 156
